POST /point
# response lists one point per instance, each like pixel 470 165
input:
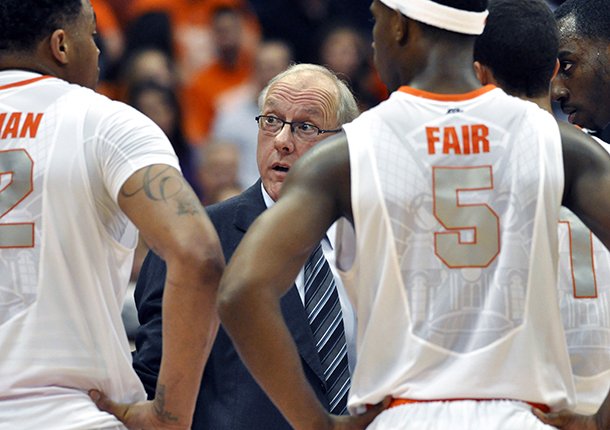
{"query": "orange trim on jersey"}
pixel 447 97
pixel 26 82
pixel 398 402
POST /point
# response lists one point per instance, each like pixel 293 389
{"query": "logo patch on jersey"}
pixel 454 110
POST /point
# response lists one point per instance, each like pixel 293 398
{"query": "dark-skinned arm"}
pixel 587 194
pixel 158 200
pixel 264 267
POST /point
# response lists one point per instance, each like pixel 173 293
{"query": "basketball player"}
pixel 450 194
pixel 582 86
pixel 77 172
pixel 518 51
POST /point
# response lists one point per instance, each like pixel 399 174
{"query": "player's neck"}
pixel 446 71
pixel 24 62
pixel 544 102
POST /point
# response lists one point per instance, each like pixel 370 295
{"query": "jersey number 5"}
pixel 17 168
pixel 457 218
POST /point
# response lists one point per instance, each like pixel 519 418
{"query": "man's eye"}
pixel 271 120
pixel 306 127
pixel 565 66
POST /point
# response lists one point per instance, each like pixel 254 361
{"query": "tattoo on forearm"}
pixel 163 184
pixel 159 405
pixel 158 185
pixel 186 207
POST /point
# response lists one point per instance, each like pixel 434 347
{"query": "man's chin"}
pixel 584 123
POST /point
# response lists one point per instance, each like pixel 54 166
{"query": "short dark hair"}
pixel 520 45
pixel 592 17
pixel 24 23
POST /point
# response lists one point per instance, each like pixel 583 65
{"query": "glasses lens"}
pixel 269 123
pixel 305 130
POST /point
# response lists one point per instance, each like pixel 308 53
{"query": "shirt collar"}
pixel 269 203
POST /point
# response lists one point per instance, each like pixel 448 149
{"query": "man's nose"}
pixel 284 140
pixel 558 89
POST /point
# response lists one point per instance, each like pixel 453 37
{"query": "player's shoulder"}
pixel 529 112
pixel 573 137
pixel 102 111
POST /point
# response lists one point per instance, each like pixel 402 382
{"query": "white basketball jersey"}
pixel 66 249
pixel 453 265
pixel 584 297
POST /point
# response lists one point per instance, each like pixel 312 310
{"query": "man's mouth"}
pixel 570 112
pixel 279 168
pixel 571 117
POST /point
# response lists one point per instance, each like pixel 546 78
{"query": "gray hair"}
pixel 348 108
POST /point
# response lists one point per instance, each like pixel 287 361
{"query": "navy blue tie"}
pixel 326 321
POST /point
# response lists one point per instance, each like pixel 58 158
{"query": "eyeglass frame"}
pixel 293 125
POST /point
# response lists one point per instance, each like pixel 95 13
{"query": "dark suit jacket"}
pixel 229 398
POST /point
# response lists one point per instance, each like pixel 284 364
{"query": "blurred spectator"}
pixel 121 9
pixel 301 22
pixel 218 163
pixel 159 103
pixel 191 29
pixel 227 192
pixel 151 30
pixel 237 108
pixel 232 67
pixel 347 52
pixel 111 43
pixel 147 65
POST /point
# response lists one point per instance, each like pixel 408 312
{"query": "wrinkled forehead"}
pixel 313 93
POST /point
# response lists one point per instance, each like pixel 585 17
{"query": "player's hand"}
pixel 136 416
pixel 359 422
pixel 567 420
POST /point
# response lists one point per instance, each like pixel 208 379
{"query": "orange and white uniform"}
pixel 584 297
pixel 452 268
pixel 66 249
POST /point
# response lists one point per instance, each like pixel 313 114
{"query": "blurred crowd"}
pixel 196 68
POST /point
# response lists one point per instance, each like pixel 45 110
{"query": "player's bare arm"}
pixel 264 267
pixel 587 194
pixel 172 222
pixel 587 181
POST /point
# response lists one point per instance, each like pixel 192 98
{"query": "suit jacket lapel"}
pixel 250 207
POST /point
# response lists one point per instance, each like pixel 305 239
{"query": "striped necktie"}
pixel 326 321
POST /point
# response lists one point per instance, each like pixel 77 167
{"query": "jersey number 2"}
pixel 457 218
pixel 17 166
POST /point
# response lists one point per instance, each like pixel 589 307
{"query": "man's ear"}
pixel 400 27
pixel 58 45
pixel 483 73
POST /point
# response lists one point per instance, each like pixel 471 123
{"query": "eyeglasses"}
pixel 303 130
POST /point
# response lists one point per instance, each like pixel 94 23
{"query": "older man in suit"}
pixel 299 108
